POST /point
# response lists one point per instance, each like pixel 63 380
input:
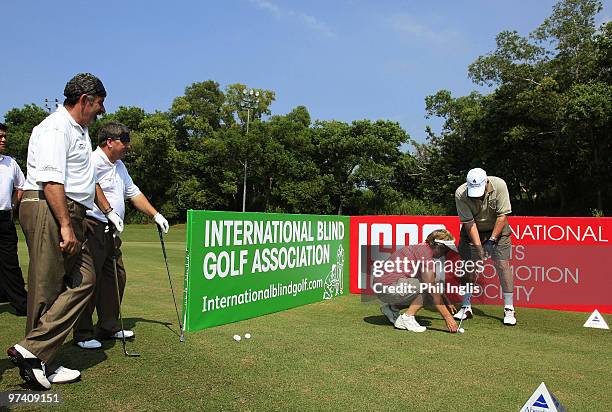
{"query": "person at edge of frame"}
pixel 12 285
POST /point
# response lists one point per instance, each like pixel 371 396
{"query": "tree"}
pixel 545 127
pixel 358 161
pixel 20 123
pixel 198 113
pixel 152 163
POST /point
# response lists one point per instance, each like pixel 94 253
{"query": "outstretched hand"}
pixel 451 325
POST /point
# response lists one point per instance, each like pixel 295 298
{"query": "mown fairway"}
pixel 335 355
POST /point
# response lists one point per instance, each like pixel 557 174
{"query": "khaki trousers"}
pixel 104 301
pixel 59 285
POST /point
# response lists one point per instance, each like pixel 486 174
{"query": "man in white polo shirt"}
pixel 12 288
pixel 59 188
pixel 115 181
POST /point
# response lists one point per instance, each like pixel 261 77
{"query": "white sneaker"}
pixel 409 323
pixel 89 344
pixel 390 312
pixel 127 333
pixel 509 318
pixel 31 368
pixel 64 375
pixel 464 313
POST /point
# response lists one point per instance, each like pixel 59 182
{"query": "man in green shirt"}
pixel 483 203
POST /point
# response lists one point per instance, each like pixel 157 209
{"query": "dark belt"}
pixel 36 195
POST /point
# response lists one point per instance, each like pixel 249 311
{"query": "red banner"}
pixel 557 263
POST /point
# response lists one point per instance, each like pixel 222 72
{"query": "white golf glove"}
pixel 114 218
pixel 162 222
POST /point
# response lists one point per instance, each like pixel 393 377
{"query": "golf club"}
pixel 125 352
pixel 462 317
pixel 178 317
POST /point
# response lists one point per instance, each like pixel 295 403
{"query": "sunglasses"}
pixel 125 138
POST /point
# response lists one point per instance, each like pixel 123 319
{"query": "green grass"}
pixel 333 355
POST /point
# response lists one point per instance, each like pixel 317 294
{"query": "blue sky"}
pixel 342 59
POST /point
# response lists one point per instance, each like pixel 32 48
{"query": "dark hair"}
pixel 83 83
pixel 3 127
pixel 113 131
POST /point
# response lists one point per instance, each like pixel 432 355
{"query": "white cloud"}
pixel 414 29
pixel 307 20
pixel 267 6
pixel 312 22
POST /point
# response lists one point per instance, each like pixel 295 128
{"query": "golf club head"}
pixel 132 354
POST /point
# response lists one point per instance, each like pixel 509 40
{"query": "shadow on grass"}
pixel 381 320
pixel 479 312
pixel 6 307
pixel 73 357
pixel 129 323
pixel 82 359
pixel 5 365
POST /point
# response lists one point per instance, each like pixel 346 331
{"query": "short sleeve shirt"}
pixel 59 151
pixel 11 178
pixel 115 182
pixel 412 260
pixel 484 212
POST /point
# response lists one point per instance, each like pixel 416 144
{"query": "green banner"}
pixel 243 265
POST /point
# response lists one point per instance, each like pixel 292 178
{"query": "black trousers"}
pixel 12 288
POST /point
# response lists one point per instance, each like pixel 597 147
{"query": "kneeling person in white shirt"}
pixel 117 185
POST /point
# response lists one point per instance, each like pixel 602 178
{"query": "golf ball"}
pixel 461 330
pixel 247 336
pixel 237 338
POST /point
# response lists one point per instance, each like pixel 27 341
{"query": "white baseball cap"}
pixel 448 243
pixel 476 182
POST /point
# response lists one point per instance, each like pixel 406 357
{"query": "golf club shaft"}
pixel 163 246
pixel 462 317
pixel 125 352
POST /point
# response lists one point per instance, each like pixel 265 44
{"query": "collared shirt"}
pixel 484 213
pixel 115 182
pixel 60 151
pixel 414 260
pixel 11 178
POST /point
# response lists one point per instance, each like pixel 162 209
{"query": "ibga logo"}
pixel 387 235
pixel 542 400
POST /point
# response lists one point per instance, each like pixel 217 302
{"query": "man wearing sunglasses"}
pixel 117 185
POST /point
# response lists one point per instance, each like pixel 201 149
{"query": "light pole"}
pixel 249 101
pixel 48 105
